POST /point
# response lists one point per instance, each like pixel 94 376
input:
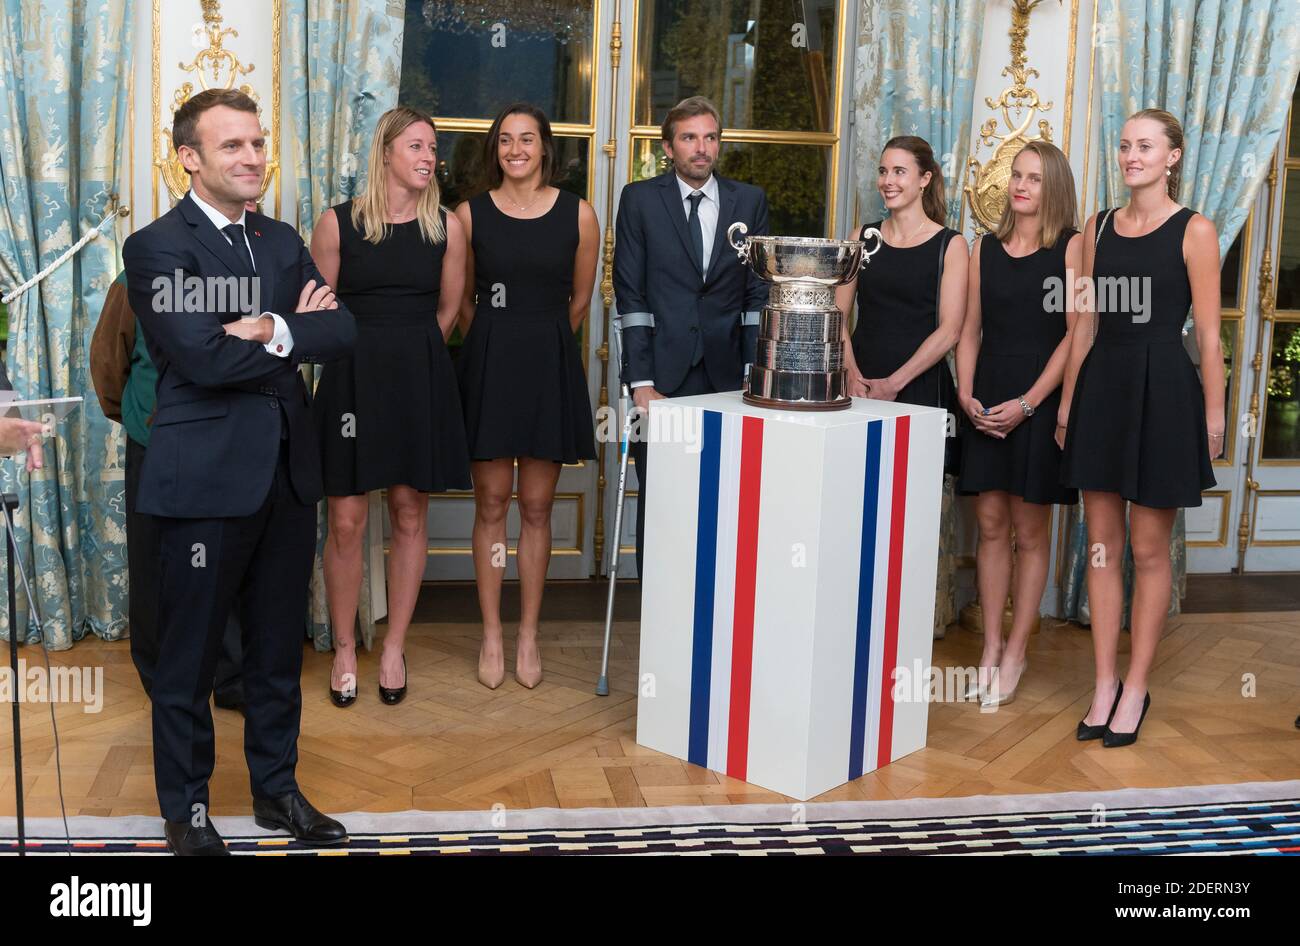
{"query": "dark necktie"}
pixel 695 229
pixel 236 233
pixel 697 244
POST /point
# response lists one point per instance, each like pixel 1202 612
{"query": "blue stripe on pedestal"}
pixel 706 555
pixel 866 589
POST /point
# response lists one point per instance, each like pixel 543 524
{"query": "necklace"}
pixel 523 207
pixel 904 242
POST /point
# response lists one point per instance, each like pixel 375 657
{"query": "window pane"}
pixel 795 178
pixel 470 60
pixel 765 64
pixel 460 165
pixel 1288 256
pixel 1282 417
pixel 1230 277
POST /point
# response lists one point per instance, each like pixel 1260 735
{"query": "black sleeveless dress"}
pixel 1019 337
pixel 389 414
pixel 521 379
pixel 1137 420
pixel 898 300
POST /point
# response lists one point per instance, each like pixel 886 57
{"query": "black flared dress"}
pixel 521 378
pixel 1137 420
pixel 1020 335
pixel 389 413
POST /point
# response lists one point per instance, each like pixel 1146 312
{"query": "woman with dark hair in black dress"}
pixel 911 299
pixel 1010 362
pixel 531 271
pixel 1138 425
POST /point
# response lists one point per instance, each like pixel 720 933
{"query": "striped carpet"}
pixel 1250 818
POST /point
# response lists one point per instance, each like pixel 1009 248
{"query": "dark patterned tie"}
pixel 694 227
pixel 696 231
pixel 236 233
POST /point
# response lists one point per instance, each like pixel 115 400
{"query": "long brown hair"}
pixel 932 201
pixel 370 208
pixel 1173 130
pixel 1058 209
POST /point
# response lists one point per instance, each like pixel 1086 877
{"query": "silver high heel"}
pixel 1002 699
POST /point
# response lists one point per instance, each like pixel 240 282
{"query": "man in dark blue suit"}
pixel 230 303
pixel 687 307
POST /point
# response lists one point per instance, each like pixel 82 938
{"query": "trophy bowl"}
pixel 805 259
pixel 799 363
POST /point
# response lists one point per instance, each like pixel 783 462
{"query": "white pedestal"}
pixel 790 562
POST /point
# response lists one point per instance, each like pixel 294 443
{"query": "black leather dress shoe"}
pixel 184 839
pixel 295 814
pixel 394 695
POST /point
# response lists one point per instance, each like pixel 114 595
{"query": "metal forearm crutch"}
pixel 628 408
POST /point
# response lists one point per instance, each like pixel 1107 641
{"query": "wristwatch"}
pixel 1024 406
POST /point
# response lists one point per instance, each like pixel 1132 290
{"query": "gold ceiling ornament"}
pixel 215 67
pixel 986 185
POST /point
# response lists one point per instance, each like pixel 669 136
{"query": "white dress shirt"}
pixel 281 342
pixel 709 209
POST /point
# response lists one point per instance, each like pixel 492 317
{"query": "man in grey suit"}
pixel 687 307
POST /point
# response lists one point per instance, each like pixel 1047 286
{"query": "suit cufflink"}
pixel 749 318
pixel 635 320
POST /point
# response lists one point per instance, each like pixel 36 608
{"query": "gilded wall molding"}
pixel 1020 107
pixel 215 66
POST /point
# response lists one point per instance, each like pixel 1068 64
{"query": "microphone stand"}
pixel 10 503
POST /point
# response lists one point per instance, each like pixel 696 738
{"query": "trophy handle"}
pixel 880 241
pixel 741 247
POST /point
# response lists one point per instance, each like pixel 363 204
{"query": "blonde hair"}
pixel 1173 130
pixel 370 209
pixel 1058 210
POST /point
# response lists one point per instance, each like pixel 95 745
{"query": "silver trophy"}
pixel 800 360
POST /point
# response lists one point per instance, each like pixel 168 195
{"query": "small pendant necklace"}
pixel 906 241
pixel 522 208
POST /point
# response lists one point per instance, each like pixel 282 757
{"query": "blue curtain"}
pixel 64 66
pixel 1227 70
pixel 344 69
pixel 914 74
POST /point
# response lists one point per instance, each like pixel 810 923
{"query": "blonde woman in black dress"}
pixel 1010 363
pixel 1138 425
pixel 388 415
pixel 531 272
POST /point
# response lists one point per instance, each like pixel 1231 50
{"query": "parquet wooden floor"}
pixel 455 745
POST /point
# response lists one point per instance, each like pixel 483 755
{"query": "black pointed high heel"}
pixel 1086 732
pixel 344 698
pixel 1116 740
pixel 393 696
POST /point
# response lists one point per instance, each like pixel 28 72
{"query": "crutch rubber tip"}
pixel 602 686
